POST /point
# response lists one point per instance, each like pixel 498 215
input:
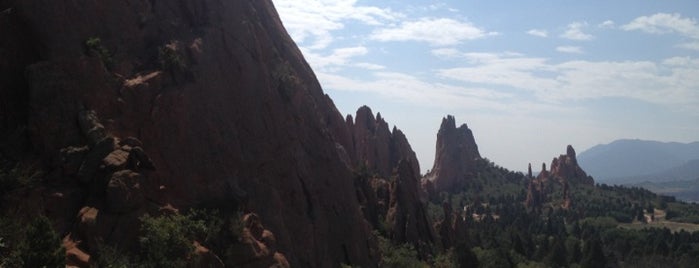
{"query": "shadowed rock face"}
pixel 455 158
pixel 220 97
pixel 377 148
pixel 390 187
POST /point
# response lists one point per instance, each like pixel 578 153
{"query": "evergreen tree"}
pixel 593 256
pixel 42 247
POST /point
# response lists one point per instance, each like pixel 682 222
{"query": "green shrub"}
pixel 42 247
pixel 171 60
pixel 18 176
pixel 111 257
pixel 166 241
pixel 398 255
pixel 94 48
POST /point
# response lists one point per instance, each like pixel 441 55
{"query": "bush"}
pixel 94 48
pixel 18 176
pixel 166 240
pixel 42 247
pixel 398 255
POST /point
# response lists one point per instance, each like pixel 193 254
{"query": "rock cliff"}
pixel 455 158
pixel 388 183
pixel 219 98
pixel 564 171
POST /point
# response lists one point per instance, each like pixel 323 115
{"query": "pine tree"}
pixel 42 247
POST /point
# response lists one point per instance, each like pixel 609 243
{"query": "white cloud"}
pixel 607 24
pixel 369 66
pixel 405 87
pixel 664 23
pixel 673 81
pixel 338 58
pixel 569 49
pixel 575 32
pixel 537 32
pixel 435 31
pixel 311 22
pixel 692 45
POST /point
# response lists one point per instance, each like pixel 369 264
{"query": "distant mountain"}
pixel 687 190
pixel 634 161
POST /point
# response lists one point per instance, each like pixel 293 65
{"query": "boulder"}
pixel 124 192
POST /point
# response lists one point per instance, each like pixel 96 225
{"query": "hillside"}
pixel 628 161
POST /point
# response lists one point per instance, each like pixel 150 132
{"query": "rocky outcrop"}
pixel 221 100
pixel 455 157
pixel 388 180
pixel 407 214
pixel 564 172
pixel 566 167
pixel 377 148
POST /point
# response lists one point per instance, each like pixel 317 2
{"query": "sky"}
pixel 527 77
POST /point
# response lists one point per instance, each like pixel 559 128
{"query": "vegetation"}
pixel 94 47
pixel 33 245
pixel 605 225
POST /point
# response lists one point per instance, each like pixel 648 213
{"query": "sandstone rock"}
pixel 115 160
pixel 566 167
pixel 564 171
pixel 250 109
pixel 72 158
pixel 124 193
pixel 93 159
pixel 455 158
pixel 131 141
pixel 407 214
pixel 203 257
pixel 91 127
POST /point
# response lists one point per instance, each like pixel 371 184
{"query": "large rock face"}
pixel 455 157
pixel 375 147
pixel 220 97
pixel 388 183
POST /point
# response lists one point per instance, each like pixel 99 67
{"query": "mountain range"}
pixel 632 161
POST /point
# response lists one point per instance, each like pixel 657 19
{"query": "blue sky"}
pixel 528 77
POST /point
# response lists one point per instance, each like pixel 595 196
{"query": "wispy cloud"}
pixel 337 58
pixel 569 49
pixel 409 88
pixel 575 32
pixel 311 22
pixel 537 32
pixel 662 23
pixel 435 31
pixel 607 24
pixel 672 81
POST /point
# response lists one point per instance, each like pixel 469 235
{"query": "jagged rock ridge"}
pixel 564 171
pixel 388 185
pixel 455 158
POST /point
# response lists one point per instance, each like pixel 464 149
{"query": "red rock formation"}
pixel 376 148
pixel 221 98
pixel 566 167
pixel 455 158
pixel 407 214
pixel 564 171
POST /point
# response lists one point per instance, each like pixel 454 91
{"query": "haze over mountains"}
pixel 633 161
